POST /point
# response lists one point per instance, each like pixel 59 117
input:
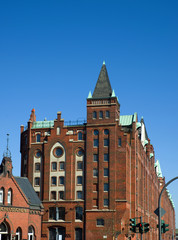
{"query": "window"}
pixel 9 197
pixel 38 154
pixel 106 132
pixel 79 195
pixel 78 234
pixel 106 142
pixel 119 142
pixel 18 234
pixel 106 202
pixel 79 180
pixel 80 136
pixel 94 115
pixel 61 166
pixel 53 195
pixel 95 157
pixel 37 167
pixel 61 195
pixel 106 172
pixel 54 166
pixel 37 181
pixel 58 131
pixel 95 142
pixel 101 114
pixel 79 165
pixel 31 233
pixel 53 181
pixel 96 132
pixel 57 213
pixel 106 187
pixel 107 114
pixel 38 138
pixel 79 213
pixel 2 196
pixel 58 152
pixel 61 180
pixel 80 152
pixel 95 187
pixel 95 172
pixel 100 222
pixel 106 157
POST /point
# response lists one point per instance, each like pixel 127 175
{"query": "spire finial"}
pixel 104 63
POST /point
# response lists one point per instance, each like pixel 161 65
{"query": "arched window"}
pixel 107 114
pixel 101 114
pixel 31 233
pixel 38 138
pixel 9 197
pixel 94 115
pixel 18 234
pixel 58 131
pixel 3 228
pixel 80 136
pixel 2 195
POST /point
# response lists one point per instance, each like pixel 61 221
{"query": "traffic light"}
pixel 133 224
pixel 165 229
pixel 146 227
pixel 140 225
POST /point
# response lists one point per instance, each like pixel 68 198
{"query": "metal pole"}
pixel 159 205
pixel 142 226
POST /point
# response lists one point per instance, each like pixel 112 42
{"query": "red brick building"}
pixel 20 208
pixel 93 177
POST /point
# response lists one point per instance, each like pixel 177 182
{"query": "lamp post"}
pixel 159 205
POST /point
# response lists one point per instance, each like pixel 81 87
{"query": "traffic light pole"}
pixel 159 206
pixel 141 223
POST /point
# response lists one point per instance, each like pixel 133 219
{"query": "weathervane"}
pixel 7 153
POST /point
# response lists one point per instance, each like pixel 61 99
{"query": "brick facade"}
pixel 94 176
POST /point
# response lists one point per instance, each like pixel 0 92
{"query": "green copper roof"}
pixel 43 124
pixel 126 120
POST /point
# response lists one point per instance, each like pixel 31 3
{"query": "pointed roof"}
pixel 103 87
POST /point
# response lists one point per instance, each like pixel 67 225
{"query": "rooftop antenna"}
pixel 8 153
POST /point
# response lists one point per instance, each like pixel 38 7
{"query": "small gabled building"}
pixel 20 207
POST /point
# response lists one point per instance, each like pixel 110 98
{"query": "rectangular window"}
pixel 79 195
pixel 106 202
pixel 106 187
pixel 107 114
pixel 37 181
pixel 62 166
pixel 106 172
pixel 95 187
pixel 79 165
pixel 95 172
pixel 54 166
pixel 1 196
pixel 61 180
pixel 106 142
pixel 100 222
pixel 95 157
pixel 53 195
pixel 79 180
pixel 61 195
pixel 95 142
pixel 53 181
pixel 52 213
pixel 101 114
pixel 37 167
pixel 79 213
pixel 95 202
pixel 119 142
pixel 106 157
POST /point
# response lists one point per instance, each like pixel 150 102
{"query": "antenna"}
pixel 8 153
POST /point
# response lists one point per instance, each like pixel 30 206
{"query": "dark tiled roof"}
pixel 103 87
pixel 29 192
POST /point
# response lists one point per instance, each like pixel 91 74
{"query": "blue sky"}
pixel 51 53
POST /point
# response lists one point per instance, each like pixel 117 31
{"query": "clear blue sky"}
pixel 51 53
